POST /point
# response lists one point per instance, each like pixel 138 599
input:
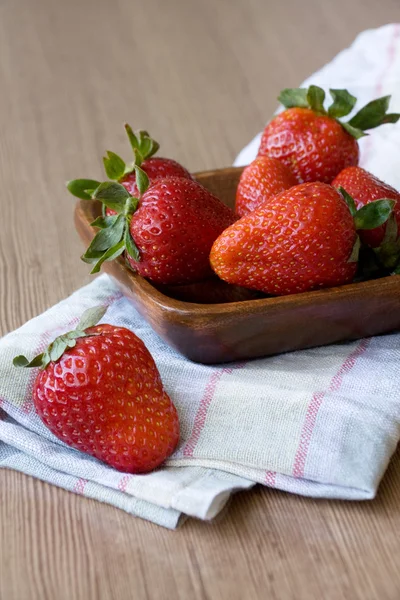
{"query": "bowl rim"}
pixel 345 291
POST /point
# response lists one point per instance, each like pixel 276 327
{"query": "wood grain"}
pixel 203 76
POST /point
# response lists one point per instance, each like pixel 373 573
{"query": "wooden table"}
pixel 203 77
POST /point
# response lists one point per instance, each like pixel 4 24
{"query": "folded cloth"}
pixel 322 422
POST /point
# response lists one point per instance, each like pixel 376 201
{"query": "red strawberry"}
pixel 304 238
pixel 174 228
pixel 155 168
pixel 263 178
pixel 364 188
pixel 100 392
pixel 312 141
pixel 167 234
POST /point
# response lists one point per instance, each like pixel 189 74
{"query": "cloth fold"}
pixel 322 422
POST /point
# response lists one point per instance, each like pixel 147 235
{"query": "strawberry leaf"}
pixel 131 206
pixel 142 180
pixel 388 252
pixel 373 114
pixel 73 335
pixel 22 361
pixel 137 158
pixel 356 133
pixel 390 118
pixel 106 238
pixel 391 232
pixel 103 222
pixel 343 103
pixel 152 148
pixel 374 214
pixel 71 343
pixel 112 194
pixel 132 137
pixel 79 187
pixel 57 348
pixel 349 201
pixel 142 144
pixel 92 256
pixel 111 254
pixel 130 245
pixel 315 99
pixel 145 147
pixel 291 97
pixel 356 251
pixel 91 317
pixel 114 166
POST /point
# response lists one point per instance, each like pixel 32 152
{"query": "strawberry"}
pixel 364 188
pixel 167 234
pixel 263 178
pixel 302 239
pixel 99 391
pixel 312 141
pixel 169 231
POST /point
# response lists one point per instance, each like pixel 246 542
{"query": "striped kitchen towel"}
pixel 322 422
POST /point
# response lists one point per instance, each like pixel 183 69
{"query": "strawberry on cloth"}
pixel 98 390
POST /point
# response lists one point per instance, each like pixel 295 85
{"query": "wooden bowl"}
pixel 250 328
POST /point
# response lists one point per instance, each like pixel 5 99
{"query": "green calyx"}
pixel 388 252
pixel 114 237
pixel 372 215
pixel 56 349
pixel 143 147
pixel 370 116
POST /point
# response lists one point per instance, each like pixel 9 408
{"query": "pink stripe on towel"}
pixel 314 406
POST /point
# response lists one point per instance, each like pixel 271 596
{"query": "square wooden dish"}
pixel 217 333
